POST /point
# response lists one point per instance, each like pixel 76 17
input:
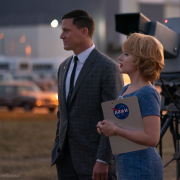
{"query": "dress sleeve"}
pixel 149 102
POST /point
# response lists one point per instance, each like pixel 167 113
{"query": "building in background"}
pixel 25 26
pixel 28 32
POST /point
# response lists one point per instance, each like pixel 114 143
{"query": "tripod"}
pixel 171 119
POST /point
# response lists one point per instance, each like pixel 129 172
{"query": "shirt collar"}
pixel 84 55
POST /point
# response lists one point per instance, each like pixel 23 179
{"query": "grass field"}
pixel 26 143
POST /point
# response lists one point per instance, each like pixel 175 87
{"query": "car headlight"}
pixel 38 103
pixel 54 97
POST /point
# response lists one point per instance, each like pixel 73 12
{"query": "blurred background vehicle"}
pixel 42 71
pixel 26 94
pixel 44 83
pixel 5 76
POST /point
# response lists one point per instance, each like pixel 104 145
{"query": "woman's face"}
pixel 126 63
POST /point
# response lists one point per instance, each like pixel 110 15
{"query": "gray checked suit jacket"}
pixel 99 80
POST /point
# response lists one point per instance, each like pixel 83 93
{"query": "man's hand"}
pixel 100 171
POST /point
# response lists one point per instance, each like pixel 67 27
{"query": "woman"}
pixel 142 60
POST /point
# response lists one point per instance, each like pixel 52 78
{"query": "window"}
pixel 23 66
pixel 9 90
pixel 42 67
pixel 4 66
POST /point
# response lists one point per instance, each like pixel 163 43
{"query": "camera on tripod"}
pixel 168 34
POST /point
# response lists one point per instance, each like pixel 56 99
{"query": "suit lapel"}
pixel 63 81
pixel 84 71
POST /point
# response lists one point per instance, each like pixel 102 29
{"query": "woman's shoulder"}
pixel 149 90
pixel 149 101
pixel 148 94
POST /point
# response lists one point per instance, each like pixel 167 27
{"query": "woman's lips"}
pixel 121 65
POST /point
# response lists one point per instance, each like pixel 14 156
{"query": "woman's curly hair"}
pixel 148 54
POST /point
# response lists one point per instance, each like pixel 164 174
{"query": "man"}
pixel 84 81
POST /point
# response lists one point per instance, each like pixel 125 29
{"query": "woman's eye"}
pixel 126 54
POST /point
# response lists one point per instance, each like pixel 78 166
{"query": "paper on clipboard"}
pixel 125 113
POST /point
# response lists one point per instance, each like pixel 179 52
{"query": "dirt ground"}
pixel 27 140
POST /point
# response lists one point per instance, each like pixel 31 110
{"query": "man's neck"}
pixel 83 47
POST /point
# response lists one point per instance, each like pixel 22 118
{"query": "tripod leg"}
pixel 169 162
pixel 177 160
pixel 166 125
pixel 173 135
pixel 177 155
pixel 163 120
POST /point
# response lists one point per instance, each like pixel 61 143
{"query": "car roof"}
pixel 4 72
pixel 17 83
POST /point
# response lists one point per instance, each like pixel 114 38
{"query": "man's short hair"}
pixel 81 19
pixel 148 54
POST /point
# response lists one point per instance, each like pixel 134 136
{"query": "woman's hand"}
pixel 105 127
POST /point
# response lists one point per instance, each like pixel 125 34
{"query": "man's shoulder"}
pixel 103 58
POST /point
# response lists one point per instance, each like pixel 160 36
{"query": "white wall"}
pixel 12 35
pixel 172 8
pixel 49 42
pixel 43 39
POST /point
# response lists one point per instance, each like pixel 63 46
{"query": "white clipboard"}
pixel 126 114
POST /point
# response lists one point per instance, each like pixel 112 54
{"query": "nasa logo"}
pixel 121 111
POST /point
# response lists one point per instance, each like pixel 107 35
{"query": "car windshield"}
pixel 35 88
pixel 29 88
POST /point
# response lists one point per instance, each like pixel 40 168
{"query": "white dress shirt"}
pixel 82 58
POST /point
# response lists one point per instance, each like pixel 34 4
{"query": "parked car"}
pixel 5 76
pixel 26 94
pixel 44 83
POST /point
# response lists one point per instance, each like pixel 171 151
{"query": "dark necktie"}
pixel 71 86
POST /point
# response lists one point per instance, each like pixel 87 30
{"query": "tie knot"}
pixel 75 58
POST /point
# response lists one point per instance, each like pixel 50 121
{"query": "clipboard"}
pixel 126 114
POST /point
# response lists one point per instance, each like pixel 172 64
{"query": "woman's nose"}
pixel 120 57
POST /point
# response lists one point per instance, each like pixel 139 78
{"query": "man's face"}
pixel 71 35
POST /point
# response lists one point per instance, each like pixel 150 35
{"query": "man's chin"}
pixel 67 49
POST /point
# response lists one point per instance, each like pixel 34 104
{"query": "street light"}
pixel 54 23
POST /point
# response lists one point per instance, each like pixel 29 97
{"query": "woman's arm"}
pixel 149 137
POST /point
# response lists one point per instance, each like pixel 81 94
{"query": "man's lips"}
pixel 64 43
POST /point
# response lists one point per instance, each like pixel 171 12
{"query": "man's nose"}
pixel 62 36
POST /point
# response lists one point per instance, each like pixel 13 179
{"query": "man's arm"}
pixel 112 83
pixel 57 130
pixel 58 114
pixel 56 143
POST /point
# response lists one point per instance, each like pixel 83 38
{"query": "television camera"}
pixel 168 34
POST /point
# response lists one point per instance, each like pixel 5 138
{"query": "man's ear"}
pixel 85 32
